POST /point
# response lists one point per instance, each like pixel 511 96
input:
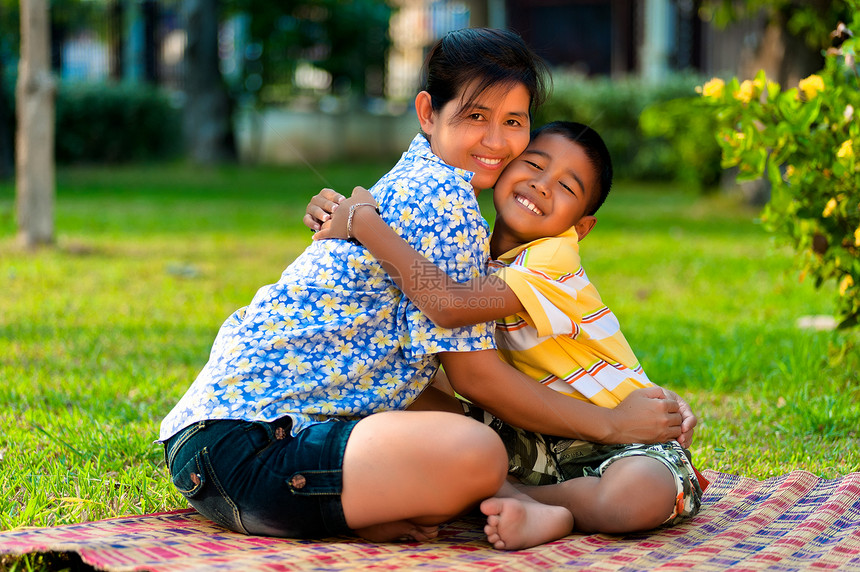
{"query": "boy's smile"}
pixel 527 204
pixel 543 192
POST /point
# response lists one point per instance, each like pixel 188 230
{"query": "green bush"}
pixel 115 123
pixel 109 123
pixel 687 132
pixel 806 141
pixel 613 107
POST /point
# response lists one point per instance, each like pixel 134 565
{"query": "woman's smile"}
pixel 487 161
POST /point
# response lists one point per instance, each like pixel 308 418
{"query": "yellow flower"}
pixel 846 283
pixel 811 86
pixel 828 210
pixel 789 171
pixel 846 150
pixel 773 89
pixel 351 310
pixel 714 88
pixel 857 237
pixel 746 92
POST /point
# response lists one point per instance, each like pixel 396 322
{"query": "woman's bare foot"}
pixel 514 524
pixel 400 530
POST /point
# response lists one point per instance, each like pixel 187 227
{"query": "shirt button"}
pixel 298 481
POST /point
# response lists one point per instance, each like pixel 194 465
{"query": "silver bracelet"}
pixel 352 212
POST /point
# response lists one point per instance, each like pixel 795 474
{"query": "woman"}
pixel 296 425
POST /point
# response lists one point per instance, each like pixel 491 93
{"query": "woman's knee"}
pixel 404 465
pixel 472 461
pixel 481 451
pixel 431 443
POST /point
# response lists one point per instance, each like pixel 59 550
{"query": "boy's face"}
pixel 545 191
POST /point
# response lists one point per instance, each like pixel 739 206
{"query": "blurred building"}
pixel 144 40
pixel 611 37
pixel 649 38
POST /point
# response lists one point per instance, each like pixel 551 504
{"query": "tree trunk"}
pixel 784 57
pixel 6 154
pixel 35 135
pixel 207 116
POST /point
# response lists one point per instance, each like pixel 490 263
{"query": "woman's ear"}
pixel 424 110
pixel 584 226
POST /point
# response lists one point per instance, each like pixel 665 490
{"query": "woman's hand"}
pixel 321 207
pixel 338 223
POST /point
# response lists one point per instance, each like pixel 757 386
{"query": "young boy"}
pixel 553 326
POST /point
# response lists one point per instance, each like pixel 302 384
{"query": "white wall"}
pixel 286 136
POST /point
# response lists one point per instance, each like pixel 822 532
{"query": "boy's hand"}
pixel 321 207
pixel 688 419
pixel 336 225
pixel 647 415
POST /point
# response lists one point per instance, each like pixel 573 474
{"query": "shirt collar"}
pixel 569 236
pixel 420 149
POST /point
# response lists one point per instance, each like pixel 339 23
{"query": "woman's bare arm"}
pixel 647 415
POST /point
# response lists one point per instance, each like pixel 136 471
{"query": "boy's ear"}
pixel 584 226
pixel 424 110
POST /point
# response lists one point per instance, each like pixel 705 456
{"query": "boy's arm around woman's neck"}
pixel 448 304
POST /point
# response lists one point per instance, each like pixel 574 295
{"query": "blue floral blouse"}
pixel 335 338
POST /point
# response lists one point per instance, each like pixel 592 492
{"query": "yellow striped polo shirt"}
pixel 566 338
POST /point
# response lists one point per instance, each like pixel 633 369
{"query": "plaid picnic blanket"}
pixel 796 521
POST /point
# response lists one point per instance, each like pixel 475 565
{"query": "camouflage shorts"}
pixel 530 459
pixel 581 458
pixel 536 459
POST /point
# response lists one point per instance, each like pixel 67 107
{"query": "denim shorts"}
pixel 255 478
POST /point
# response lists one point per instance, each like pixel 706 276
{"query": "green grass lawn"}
pixel 102 335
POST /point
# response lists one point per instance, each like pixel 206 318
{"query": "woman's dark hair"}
pixel 490 56
pixel 594 148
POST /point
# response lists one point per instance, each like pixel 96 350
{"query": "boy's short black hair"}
pixel 595 149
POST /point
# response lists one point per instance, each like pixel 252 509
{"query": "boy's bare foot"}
pixel 514 524
pixel 402 530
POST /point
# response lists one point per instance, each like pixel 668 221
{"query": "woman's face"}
pixel 485 136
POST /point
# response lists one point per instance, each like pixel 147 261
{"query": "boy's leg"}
pixel 634 493
pixel 516 521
